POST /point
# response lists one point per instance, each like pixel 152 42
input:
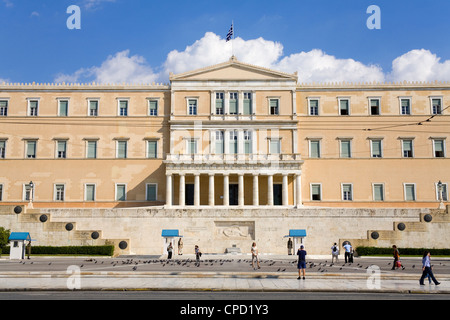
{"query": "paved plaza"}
pixel 219 273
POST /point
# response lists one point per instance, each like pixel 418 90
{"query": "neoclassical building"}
pixel 228 135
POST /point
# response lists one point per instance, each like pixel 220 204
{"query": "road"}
pixel 233 297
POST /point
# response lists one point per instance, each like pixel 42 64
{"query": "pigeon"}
pixel 134 268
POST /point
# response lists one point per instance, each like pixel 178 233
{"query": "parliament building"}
pixel 233 152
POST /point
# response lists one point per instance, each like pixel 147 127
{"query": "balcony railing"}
pixel 232 158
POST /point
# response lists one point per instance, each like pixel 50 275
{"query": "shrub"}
pixel 74 250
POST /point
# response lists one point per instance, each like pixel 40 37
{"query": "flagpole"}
pixel 232 41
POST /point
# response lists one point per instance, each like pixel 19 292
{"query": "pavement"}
pixel 219 273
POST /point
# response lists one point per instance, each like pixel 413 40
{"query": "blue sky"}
pixel 142 40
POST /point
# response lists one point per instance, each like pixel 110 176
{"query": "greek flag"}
pixel 230 33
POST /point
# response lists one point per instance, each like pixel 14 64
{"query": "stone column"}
pixel 285 190
pixel 270 190
pixel 211 190
pixel 255 190
pixel 298 191
pixel 241 190
pixel 169 180
pixel 197 190
pixel 182 195
pixel 226 190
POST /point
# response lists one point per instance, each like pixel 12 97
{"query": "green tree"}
pixel 4 236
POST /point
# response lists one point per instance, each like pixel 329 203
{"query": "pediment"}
pixel 233 70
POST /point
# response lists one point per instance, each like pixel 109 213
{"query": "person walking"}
pixel 348 251
pixel 396 255
pixel 301 265
pixel 169 251
pixel 426 269
pixel 289 246
pixel 198 255
pixel 334 253
pixel 254 250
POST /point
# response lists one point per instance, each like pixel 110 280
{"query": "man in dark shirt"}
pixel 301 261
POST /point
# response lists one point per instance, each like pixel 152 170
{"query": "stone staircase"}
pixel 23 219
pixel 401 231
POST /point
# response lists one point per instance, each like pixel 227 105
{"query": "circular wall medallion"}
pixel 18 210
pixel 123 245
pixel 95 235
pixel 375 235
pixel 428 218
pixel 43 218
pixel 346 242
pixel 69 227
pixel 401 226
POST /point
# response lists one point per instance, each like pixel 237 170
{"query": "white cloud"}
pixel 93 4
pixel 419 65
pixel 118 68
pixel 317 66
pixel 312 66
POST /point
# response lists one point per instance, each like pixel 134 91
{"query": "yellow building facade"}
pixel 230 135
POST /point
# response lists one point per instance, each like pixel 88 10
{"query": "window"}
pixel 93 108
pixel 2 149
pixel 444 192
pixel 61 149
pixel 439 148
pixel 233 142
pixel 248 142
pixel 192 146
pixel 376 148
pixel 151 192
pixel 33 106
pixel 275 146
pixel 233 103
pixel 378 192
pixel 89 192
pixel 1 192
pixel 436 105
pixel 192 107
pixel 405 106
pixel 91 149
pixel 316 192
pixel 153 107
pixel 314 149
pixel 28 192
pixel 152 149
pixel 344 107
pixel 347 192
pixel 59 192
pixel 63 108
pixel 346 151
pixel 123 108
pixel 274 106
pixel 410 192
pixel 3 108
pixel 248 103
pixel 219 103
pixel 313 107
pixel 121 192
pixel 31 149
pixel 122 149
pixel 374 106
pixel 219 142
pixel 407 148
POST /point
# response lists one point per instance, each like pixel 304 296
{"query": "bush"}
pixel 373 251
pixel 81 250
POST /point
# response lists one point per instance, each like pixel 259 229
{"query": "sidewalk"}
pixel 89 277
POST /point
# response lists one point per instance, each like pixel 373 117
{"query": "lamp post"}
pixel 30 204
pixel 440 186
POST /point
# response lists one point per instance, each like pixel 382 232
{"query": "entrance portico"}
pixel 233 185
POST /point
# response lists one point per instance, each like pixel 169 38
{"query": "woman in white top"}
pixel 255 256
